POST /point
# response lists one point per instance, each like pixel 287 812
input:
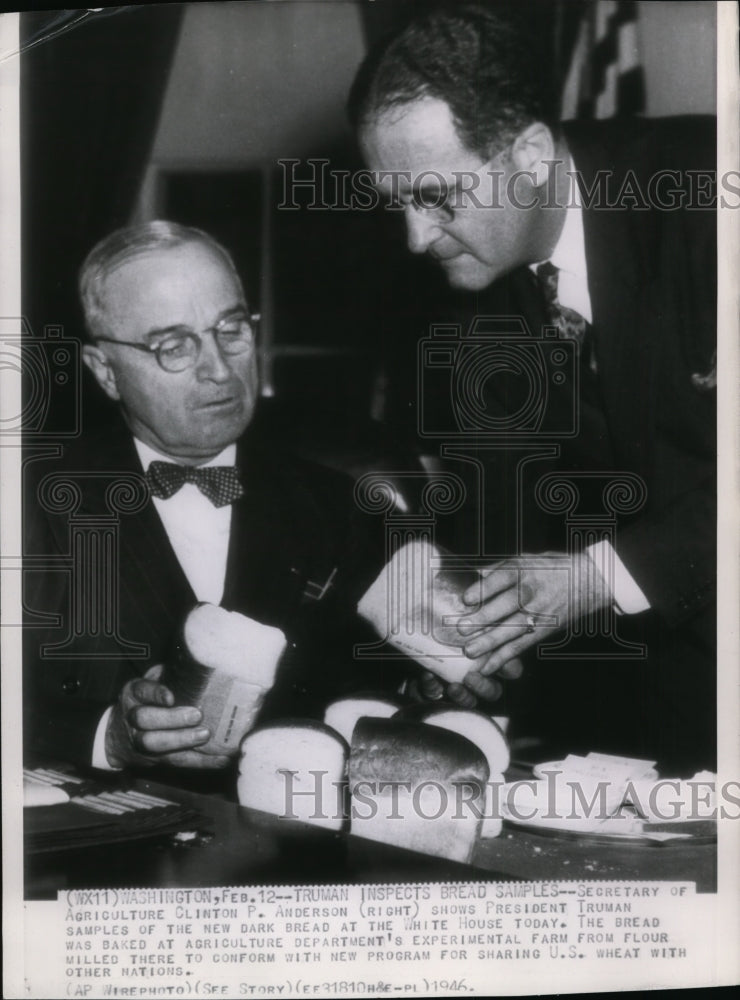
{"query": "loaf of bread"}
pixel 416 786
pixel 475 725
pixel 295 769
pixel 224 664
pixel 480 729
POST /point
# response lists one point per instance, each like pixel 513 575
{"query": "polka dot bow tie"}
pixel 220 483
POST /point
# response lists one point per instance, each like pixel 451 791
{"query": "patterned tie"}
pixel 570 324
pixel 220 483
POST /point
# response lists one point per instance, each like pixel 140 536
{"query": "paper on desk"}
pixel 674 801
pixel 606 794
pixel 416 605
pixel 35 794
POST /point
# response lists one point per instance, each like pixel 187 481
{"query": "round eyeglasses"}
pixel 180 350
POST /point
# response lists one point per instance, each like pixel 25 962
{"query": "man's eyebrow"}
pixel 240 309
pixel 160 331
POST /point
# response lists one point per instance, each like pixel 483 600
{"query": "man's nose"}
pixel 421 229
pixel 211 362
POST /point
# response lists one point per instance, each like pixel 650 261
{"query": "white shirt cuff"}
pixel 627 596
pixel 99 758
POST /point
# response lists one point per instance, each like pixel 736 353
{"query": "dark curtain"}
pixel 90 102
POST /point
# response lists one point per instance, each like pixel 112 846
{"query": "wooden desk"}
pixel 250 848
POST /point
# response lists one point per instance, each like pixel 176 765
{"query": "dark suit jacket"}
pixel 294 525
pixel 652 283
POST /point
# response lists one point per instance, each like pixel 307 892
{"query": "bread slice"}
pixel 416 786
pixel 295 769
pixel 416 605
pixel 224 663
pixel 342 715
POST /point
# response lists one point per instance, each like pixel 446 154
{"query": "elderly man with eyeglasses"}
pixel 172 341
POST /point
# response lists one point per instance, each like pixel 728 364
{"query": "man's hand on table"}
pixel 146 728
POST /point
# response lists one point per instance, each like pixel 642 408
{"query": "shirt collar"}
pixel 569 255
pixel 570 250
pixel 147 455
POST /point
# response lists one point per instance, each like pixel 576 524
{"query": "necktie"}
pixel 570 323
pixel 220 483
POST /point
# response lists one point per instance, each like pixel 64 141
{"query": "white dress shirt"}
pixel 569 256
pixel 198 531
pixel 199 535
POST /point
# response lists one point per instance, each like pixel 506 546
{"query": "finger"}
pixel 149 692
pixel 147 717
pixel 483 687
pixel 461 696
pixel 196 759
pixel 512 670
pixel 166 741
pixel 502 635
pixel 492 581
pixel 431 687
pixel 467 626
pixel 493 612
pixel 509 652
pixel 155 672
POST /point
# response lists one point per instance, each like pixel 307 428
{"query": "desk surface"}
pixel 251 848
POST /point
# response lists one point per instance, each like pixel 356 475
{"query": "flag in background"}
pixel 605 76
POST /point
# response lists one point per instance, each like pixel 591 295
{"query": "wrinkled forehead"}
pixel 167 269
pixel 189 258
pixel 186 283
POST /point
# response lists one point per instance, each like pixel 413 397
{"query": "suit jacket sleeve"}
pixel 63 699
pixel 671 554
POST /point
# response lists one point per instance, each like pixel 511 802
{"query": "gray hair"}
pixel 123 245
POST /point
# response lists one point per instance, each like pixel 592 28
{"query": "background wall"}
pixel 679 45
pixel 253 81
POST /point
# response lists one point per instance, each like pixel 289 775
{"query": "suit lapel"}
pixel 152 588
pixel 265 573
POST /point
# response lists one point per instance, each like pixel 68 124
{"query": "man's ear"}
pixel 531 151
pixel 101 368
